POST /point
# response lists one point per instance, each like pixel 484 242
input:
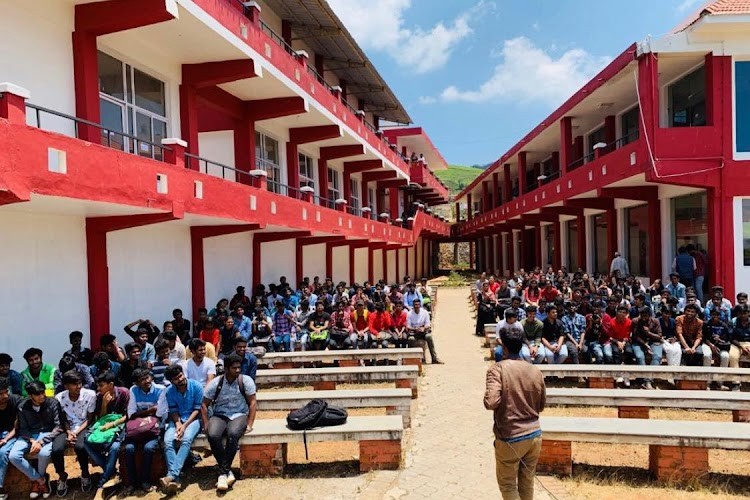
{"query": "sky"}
pixel 479 74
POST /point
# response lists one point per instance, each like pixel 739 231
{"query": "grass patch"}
pixel 457 177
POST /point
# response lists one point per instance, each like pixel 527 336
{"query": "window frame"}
pixel 273 169
pixel 306 163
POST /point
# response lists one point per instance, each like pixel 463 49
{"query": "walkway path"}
pixel 449 450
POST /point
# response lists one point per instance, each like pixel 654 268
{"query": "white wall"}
pixel 37 54
pixel 44 291
pixel 278 258
pixel 340 264
pixel 420 266
pixel 149 274
pixel 228 263
pixel 313 262
pixel 360 265
pixel 218 147
pixel 402 264
pixel 741 272
pixel 391 278
pixel 377 267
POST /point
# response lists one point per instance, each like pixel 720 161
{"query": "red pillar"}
pixel 458 212
pixel 495 189
pixel 393 202
pixel 521 173
pixel 582 242
pixel 469 207
pixel 86 81
pixel 557 255
pixel 566 144
pixel 244 149
pixel 292 167
pixel 578 148
pixel 472 263
pixel 720 232
pixel 485 196
pixel 385 264
pixel 507 183
pixel 610 132
pixel 189 119
pixel 611 233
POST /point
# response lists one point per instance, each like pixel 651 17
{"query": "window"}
pixel 573 263
pixel 334 187
pixel 690 220
pixel 371 202
pixel 355 201
pixel 134 103
pixel 629 126
pixel 267 158
pixel 742 104
pixel 595 137
pixel 687 100
pixel 306 171
pixel 636 236
pixel 601 257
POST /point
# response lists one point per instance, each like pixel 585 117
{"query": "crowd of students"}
pixel 614 319
pixel 161 390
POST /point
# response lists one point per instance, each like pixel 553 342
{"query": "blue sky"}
pixel 479 74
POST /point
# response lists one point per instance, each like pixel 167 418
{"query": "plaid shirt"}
pixel 282 325
pixel 574 325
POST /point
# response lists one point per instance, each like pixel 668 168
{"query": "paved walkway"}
pixel 449 449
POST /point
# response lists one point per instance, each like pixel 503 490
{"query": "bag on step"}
pixel 334 415
pixel 308 416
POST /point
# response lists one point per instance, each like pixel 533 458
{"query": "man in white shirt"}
pixel 199 367
pixel 79 405
pixel 418 327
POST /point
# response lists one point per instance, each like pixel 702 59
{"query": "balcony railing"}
pixel 612 146
pixel 210 167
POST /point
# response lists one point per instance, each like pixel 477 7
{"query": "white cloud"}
pixel 427 100
pixel 381 26
pixel 687 5
pixel 528 73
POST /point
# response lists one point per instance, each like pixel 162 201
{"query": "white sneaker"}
pixel 627 382
pixel 221 483
pixel 618 380
pixel 231 479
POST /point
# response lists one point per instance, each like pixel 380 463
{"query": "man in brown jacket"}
pixel 516 394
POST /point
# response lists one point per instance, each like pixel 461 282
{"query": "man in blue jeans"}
pixel 8 412
pixel 146 400
pixel 39 423
pixel 184 399
pixel 109 400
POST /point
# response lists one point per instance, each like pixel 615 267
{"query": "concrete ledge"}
pixel 704 400
pixel 680 373
pixel 333 356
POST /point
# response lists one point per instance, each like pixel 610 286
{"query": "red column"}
pixel 458 212
pixel 393 202
pixel 472 263
pixel 507 183
pixel 86 81
pixel 582 242
pixel 557 256
pixel 292 167
pixel 654 240
pixel 566 144
pixel 244 149
pixel 720 233
pixel 323 181
pixel 648 89
pixel 189 119
pixel 578 148
pixel 469 207
pixel 347 188
pixel 495 189
pixel 385 264
pixel 521 173
pixel 611 233
pixel 610 132
pixel 485 196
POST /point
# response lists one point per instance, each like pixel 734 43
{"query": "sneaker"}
pixel 85 484
pixel 724 387
pixel 619 380
pixel 231 479
pixel 648 386
pixel 221 483
pixel 44 489
pixel 113 481
pixel 35 487
pixel 735 387
pixel 437 362
pixel 627 382
pixel 3 496
pixel 172 488
pixel 62 487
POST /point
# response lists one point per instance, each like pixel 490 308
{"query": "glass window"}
pixel 629 125
pixel 742 104
pixel 111 76
pixel 601 257
pixel 687 100
pixel 595 138
pixel 636 235
pixel 306 171
pixel 691 220
pixel 371 202
pixel 267 158
pixel 334 186
pixel 149 93
pixel 573 263
pixel 746 232
pixel 355 201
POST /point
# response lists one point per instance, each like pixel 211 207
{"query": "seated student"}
pixel 515 305
pixel 8 413
pixel 419 328
pixel 301 320
pixel 181 326
pixel 553 338
pixel 101 363
pixel 510 323
pixel 318 326
pixel 619 329
pixel 110 400
pixel 716 340
pixel 39 423
pixel 211 335
pixel 689 330
pixel 242 323
pixel 597 343
pixel 646 338
pixel 177 351
pixel 282 329
pixel 78 405
pixel 147 324
pixel 82 355
pixel 210 353
pixel 741 301
pixel 532 328
pixel 200 322
pixel 234 406
pixel 148 354
pixel 380 325
pixel 261 327
pixel 14 378
pixel 162 362
pixel 671 344
pixel 68 363
pixel 146 400
pixel 574 326
pixel 398 326
pixel 228 332
pixel 199 367
pixel 112 348
pixel 38 370
pixel 249 360
pixel 132 363
pixel 184 399
pixel 342 330
pixel 361 323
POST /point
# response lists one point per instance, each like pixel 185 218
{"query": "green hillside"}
pixel 458 177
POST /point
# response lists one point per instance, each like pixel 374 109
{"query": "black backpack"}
pixel 316 413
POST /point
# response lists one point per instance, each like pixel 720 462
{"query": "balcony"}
pixel 127 170
pixel 433 190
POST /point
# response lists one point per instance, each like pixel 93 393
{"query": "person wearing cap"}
pixel 574 326
pixel 553 338
pixel 646 338
pixel 689 328
pixel 531 350
pixel 516 394
pixel 670 344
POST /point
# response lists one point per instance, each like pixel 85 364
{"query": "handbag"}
pixel 142 429
pixel 104 436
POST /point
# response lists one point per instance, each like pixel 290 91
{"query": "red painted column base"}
pixel 379 455
pixel 263 460
pixel 556 457
pixel 677 464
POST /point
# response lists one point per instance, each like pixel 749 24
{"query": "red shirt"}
pixel 211 336
pixel 550 295
pixel 620 331
pixel 360 322
pixel 379 321
pixel 398 321
pixel 494 286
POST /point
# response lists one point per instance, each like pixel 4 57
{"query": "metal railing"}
pixel 127 143
pixel 210 167
pixel 277 39
pixel 612 146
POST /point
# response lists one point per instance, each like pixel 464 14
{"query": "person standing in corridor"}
pixel 516 394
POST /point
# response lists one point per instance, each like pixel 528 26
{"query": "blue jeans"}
pixel 149 448
pixel 105 456
pixel 555 358
pixel 17 458
pixel 176 458
pixel 699 287
pixel 498 353
pixel 4 458
pixel 640 355
pixel 282 340
pixel 526 355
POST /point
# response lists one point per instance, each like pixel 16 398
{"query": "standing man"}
pixel 232 396
pixel 619 264
pixel 418 327
pixel 516 394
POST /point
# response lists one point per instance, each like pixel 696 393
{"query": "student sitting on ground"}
pixel 38 370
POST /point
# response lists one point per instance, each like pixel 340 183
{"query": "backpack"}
pixel 316 413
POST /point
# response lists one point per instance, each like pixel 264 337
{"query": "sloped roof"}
pixel 716 8
pixel 322 30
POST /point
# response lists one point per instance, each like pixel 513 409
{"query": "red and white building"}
pixel 158 153
pixel 650 155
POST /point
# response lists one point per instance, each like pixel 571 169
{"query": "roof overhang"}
pixel 416 140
